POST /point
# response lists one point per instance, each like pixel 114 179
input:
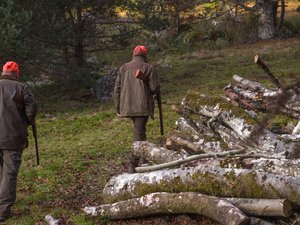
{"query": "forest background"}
pixel 64 46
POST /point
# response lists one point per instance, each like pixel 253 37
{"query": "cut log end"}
pixel 287 208
pixel 256 58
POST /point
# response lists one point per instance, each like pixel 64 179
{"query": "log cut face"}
pixel 206 180
pixel 166 203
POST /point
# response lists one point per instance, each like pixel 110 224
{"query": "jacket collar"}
pixel 9 77
pixel 138 58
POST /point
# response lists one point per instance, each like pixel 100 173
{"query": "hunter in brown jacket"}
pixel 18 109
pixel 135 86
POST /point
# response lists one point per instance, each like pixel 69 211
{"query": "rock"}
pixel 105 85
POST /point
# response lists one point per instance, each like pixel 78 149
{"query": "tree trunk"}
pixel 266 24
pixel 79 33
pixel 213 181
pixel 166 203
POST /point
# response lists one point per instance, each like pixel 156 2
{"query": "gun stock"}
pixel 161 123
pixel 34 131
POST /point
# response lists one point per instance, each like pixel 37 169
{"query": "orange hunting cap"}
pixel 140 50
pixel 11 68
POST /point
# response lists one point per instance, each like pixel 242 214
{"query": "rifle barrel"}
pixel 34 131
pixel 161 123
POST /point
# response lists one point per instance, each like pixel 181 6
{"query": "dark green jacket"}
pixel 133 96
pixel 18 109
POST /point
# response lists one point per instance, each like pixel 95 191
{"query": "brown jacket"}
pixel 18 109
pixel 133 96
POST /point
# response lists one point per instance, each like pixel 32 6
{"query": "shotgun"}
pixel 161 122
pixel 34 131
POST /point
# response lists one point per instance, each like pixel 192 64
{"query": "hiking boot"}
pixel 131 168
pixel 2 219
pixel 134 162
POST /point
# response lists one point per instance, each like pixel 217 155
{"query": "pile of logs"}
pixel 254 96
pixel 231 169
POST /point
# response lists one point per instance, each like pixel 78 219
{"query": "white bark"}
pixel 255 86
pixel 166 203
pixel 185 160
pixel 296 129
pixel 203 179
pixel 153 153
pixel 283 167
pixel 266 27
pixel 192 143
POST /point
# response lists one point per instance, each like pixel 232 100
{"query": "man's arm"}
pixel 30 105
pixel 154 81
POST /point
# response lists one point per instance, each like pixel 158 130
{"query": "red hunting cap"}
pixel 10 68
pixel 140 50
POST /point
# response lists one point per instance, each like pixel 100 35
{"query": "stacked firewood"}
pixel 231 169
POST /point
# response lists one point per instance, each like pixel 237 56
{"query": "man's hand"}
pixel 118 114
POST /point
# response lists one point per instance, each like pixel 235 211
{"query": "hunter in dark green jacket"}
pixel 18 109
pixel 134 96
pixel 134 91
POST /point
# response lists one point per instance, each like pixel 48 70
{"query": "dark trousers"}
pixel 139 127
pixel 10 161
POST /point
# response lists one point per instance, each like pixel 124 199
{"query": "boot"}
pixel 133 162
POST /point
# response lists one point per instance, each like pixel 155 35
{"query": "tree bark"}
pixel 166 203
pixel 250 95
pixel 153 153
pixel 185 160
pixel 187 125
pixel 266 24
pixel 191 143
pixel 265 68
pixel 283 167
pixel 257 137
pixel 212 181
pixel 79 35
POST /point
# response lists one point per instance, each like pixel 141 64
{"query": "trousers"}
pixel 10 161
pixel 139 127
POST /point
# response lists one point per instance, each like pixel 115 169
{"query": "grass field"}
pixel 83 144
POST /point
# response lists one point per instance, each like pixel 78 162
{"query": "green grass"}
pixel 83 144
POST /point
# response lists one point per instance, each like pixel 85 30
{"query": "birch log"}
pixel 186 160
pixel 153 153
pixel 166 203
pixel 191 143
pixel 206 180
pixel 282 167
pixel 187 125
pixel 251 95
pixel 261 139
pixel 248 84
pixel 262 207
